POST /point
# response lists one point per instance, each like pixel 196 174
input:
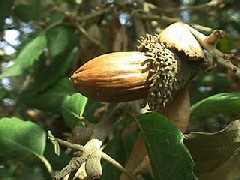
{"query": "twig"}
pixel 117 165
pixel 157 18
pixel 47 165
pixel 87 150
pixel 70 145
pixel 169 20
pixel 82 19
pixel 210 4
pixel 56 24
pixel 84 32
pixel 213 54
pixel 94 15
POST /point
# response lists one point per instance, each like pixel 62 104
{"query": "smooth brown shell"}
pixel 179 36
pixel 114 77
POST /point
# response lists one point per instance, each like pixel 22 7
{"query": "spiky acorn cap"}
pixel 169 70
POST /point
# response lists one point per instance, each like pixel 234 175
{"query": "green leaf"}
pixel 52 99
pixel 70 1
pixel 211 150
pixel 224 103
pixel 30 10
pixel 57 162
pixel 115 149
pixel 27 12
pixel 90 109
pixel 26 57
pixel 61 64
pixel 73 109
pixel 3 94
pixel 22 140
pixel 59 40
pixel 5 11
pixel 168 155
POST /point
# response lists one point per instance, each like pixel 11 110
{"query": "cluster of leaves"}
pixel 43 96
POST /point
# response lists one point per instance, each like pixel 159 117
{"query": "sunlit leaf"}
pixel 26 57
pixel 22 140
pixel 211 150
pixel 73 108
pixel 169 157
pixel 225 104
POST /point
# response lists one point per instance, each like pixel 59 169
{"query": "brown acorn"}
pixel 114 77
pixel 156 73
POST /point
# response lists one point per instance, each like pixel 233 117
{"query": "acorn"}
pixel 165 64
pixel 114 77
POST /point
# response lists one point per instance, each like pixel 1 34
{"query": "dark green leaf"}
pixel 52 99
pixel 90 109
pixel 60 40
pixel 20 139
pixel 54 18
pixel 168 155
pixel 26 57
pixel 5 11
pixel 226 44
pixel 62 61
pixel 57 162
pixel 211 150
pixel 73 108
pixel 115 149
pixel 225 104
pixel 70 1
pixel 3 94
pixel 29 11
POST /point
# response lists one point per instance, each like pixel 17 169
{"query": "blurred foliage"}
pixel 44 41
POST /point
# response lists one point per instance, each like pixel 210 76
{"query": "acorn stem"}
pixel 178 110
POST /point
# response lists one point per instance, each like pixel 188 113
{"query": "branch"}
pixel 47 164
pixel 91 155
pixel 117 165
pixel 94 15
pixel 212 3
pixel 84 32
pixel 169 20
pixel 70 145
pixel 212 53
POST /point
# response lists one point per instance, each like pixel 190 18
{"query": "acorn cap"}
pixel 178 36
pixel 170 71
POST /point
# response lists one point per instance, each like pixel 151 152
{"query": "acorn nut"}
pixel 114 77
